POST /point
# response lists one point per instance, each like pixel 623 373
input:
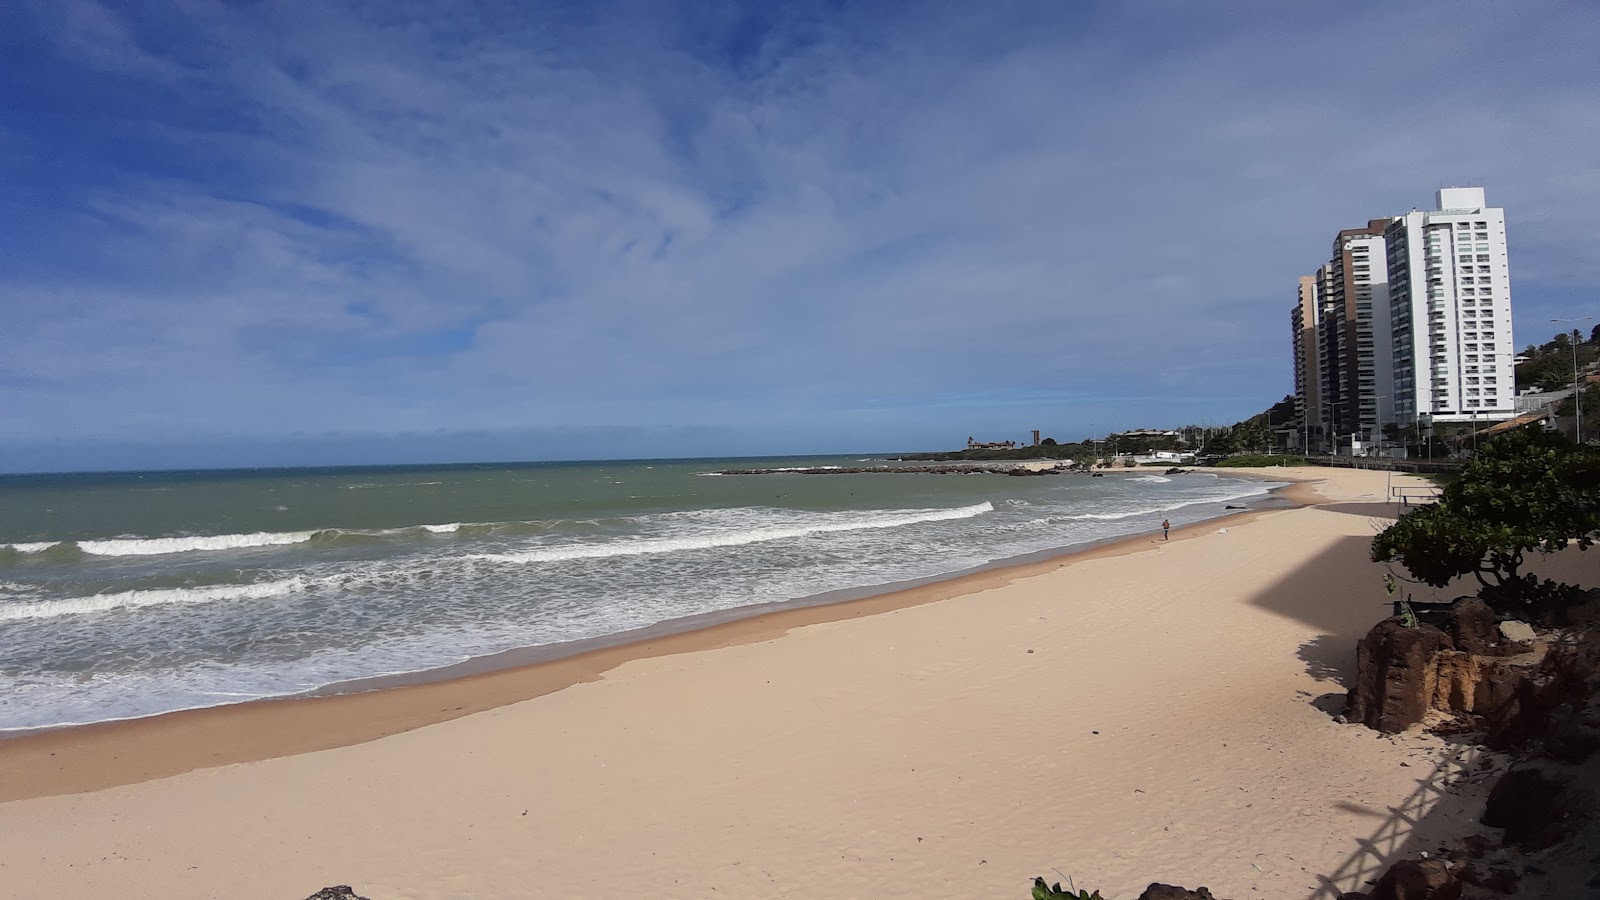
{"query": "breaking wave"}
pixel 732 538
pixel 68 606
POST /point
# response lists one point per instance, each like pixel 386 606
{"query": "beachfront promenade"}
pixel 1143 711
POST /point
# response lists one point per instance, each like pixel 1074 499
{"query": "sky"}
pixel 262 233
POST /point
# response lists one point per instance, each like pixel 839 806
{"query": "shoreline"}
pixel 76 759
pixel 1143 712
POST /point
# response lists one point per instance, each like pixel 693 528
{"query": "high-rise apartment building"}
pixel 1307 390
pixel 1409 322
pixel 1354 375
pixel 1451 311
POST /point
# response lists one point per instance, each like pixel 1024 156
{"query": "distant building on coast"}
pixel 990 445
pixel 1408 325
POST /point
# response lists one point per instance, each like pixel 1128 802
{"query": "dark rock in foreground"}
pixel 1160 891
pixel 1417 879
pixel 339 892
pixel 1536 804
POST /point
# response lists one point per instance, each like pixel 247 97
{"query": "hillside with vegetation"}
pixel 1255 434
pixel 1548 366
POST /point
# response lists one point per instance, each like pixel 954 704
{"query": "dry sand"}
pixel 1148 711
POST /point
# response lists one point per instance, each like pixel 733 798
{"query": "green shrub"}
pixel 1042 891
pixel 1526 491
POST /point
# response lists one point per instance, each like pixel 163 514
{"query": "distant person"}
pixel 1166 529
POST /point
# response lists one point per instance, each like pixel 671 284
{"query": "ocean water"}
pixel 124 595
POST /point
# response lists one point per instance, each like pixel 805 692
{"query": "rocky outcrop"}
pixel 339 892
pixel 1537 804
pixel 1472 625
pixel 1417 879
pixel 1459 660
pixel 1395 675
pixel 1158 891
pixel 1480 685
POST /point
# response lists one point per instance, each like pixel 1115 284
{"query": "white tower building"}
pixel 1450 305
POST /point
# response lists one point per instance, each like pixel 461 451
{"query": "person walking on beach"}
pixel 1166 528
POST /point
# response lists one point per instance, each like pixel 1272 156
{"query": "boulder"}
pixel 1395 675
pixel 1521 632
pixel 1158 891
pixel 1537 805
pixel 1417 879
pixel 1472 626
pixel 1573 730
pixel 339 892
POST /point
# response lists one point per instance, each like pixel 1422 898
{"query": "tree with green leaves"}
pixel 1525 491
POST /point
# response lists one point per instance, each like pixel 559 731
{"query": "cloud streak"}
pixel 252 222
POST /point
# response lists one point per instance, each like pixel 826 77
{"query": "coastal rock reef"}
pixel 1535 695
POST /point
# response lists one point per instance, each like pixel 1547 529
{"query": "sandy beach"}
pixel 1145 711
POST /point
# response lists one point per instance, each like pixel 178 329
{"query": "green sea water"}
pixel 130 594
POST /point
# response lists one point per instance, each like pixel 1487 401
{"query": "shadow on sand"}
pixel 1319 594
pixel 1395 833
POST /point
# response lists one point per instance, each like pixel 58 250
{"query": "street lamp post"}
pixel 1577 386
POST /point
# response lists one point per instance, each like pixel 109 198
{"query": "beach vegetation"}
pixel 1524 492
pixel 1044 891
pixel 1548 366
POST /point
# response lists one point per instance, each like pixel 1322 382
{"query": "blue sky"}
pixel 269 233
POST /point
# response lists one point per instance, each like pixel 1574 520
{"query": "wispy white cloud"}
pixel 345 218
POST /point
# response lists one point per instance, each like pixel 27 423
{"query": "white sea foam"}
pixel 732 538
pixel 139 546
pixel 1176 503
pixel 802 469
pixel 1154 479
pixel 68 606
pixel 154 546
pixel 30 547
